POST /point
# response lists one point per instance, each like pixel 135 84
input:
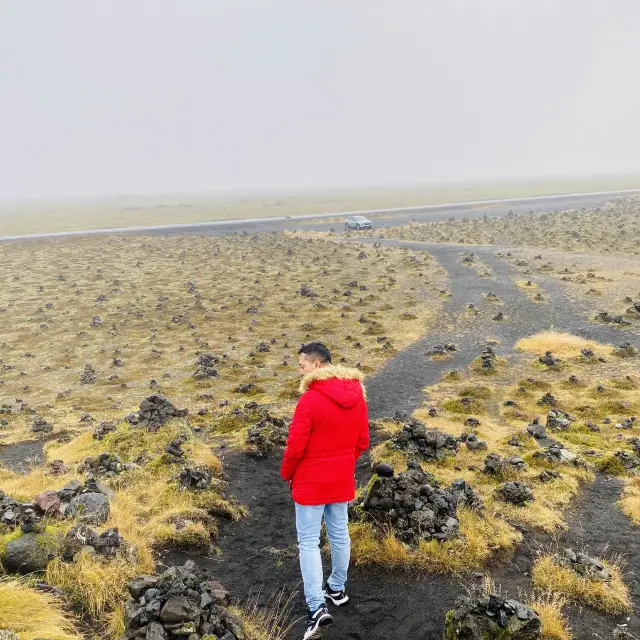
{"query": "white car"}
pixel 358 222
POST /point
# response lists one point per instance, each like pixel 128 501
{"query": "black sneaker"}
pixel 319 618
pixel 337 597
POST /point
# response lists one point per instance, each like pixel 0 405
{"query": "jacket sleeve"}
pixel 363 431
pixel 298 438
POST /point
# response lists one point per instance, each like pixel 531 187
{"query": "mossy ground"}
pixel 497 528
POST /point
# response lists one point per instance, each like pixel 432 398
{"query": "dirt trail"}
pixel 258 554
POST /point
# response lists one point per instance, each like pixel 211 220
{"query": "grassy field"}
pixel 139 312
pixel 92 326
pixel 613 229
pixel 39 216
pixel 523 381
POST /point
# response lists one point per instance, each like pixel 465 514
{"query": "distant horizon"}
pixel 282 190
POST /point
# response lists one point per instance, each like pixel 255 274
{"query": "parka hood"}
pixel 340 384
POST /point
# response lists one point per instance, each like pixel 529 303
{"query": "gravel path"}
pixel 410 371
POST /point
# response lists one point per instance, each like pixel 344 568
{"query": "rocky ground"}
pixel 384 603
pixel 488 306
pixel 610 229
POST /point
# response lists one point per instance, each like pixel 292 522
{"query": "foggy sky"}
pixel 133 96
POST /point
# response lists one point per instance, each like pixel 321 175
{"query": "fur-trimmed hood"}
pixel 342 384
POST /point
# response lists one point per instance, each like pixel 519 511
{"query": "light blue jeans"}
pixel 308 525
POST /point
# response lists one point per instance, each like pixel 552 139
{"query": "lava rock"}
pixel 30 552
pixel 70 490
pixel 428 444
pixel 154 411
pixel 266 435
pixel 180 603
pixel 549 476
pixel 610 318
pixel 628 460
pixel 625 350
pixel 536 429
pixel 103 429
pixel 194 478
pixel 473 443
pixel 583 565
pixel 88 375
pixel 413 504
pixel 516 493
pixel 488 357
pixel 40 425
pixel 58 468
pixel 492 617
pixel 105 464
pixel 307 292
pixel 90 508
pixel 559 420
pixel 383 470
pixel 495 465
pixel 556 453
pixel 547 399
pixel 206 366
pixel 549 360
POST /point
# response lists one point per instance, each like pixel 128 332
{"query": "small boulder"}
pixel 492 618
pixel 30 552
pixel 383 470
pixel 179 609
pixel 48 502
pixel 90 508
pixel 517 493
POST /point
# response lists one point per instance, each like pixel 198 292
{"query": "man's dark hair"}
pixel 316 350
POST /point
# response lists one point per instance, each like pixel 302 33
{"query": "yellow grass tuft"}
pixel 555 625
pixel 93 584
pixel 630 500
pixel 270 622
pixel 560 344
pixel 32 614
pixel 149 509
pixel 481 535
pixel 610 597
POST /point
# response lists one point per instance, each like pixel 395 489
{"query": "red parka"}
pixel 329 431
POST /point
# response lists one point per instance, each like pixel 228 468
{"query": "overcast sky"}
pixel 133 96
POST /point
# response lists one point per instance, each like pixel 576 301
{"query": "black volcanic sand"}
pixel 21 456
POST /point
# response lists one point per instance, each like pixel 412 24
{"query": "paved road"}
pixel 392 217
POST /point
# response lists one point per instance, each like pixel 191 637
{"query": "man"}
pixel 329 431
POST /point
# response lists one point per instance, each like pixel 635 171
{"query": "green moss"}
pixel 455 405
pixel 611 466
pixel 453 631
pixel 532 383
pixel 449 632
pixel 499 364
pixel 159 462
pixel 129 442
pixel 231 422
pixel 374 477
pixel 478 391
pixel 8 537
